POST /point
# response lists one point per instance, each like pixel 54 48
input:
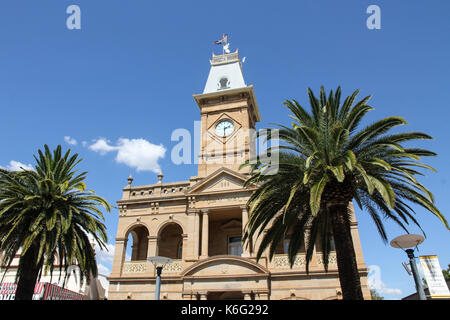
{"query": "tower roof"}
pixel 225 73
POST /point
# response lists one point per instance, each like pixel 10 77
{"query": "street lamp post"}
pixel 159 263
pixel 408 242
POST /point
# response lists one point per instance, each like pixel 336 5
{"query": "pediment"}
pixel 225 265
pixel 231 224
pixel 222 180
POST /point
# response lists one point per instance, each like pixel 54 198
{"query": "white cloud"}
pixel 84 143
pixel 103 270
pixel 71 141
pixel 17 166
pixel 101 146
pixel 135 153
pixel 374 282
pixel 103 255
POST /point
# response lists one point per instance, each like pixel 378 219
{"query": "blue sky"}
pixel 131 70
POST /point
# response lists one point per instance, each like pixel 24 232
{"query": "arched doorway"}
pixel 236 272
pixel 170 241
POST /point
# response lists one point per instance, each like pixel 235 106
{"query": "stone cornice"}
pixel 152 200
pixel 202 99
pixel 212 193
pixel 157 185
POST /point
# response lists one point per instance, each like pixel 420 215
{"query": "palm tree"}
pixel 324 164
pixel 48 213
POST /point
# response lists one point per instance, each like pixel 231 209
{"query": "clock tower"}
pixel 200 222
pixel 229 113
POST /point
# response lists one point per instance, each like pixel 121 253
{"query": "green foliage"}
pixel 446 273
pixel 50 210
pixel 325 161
pixel 375 296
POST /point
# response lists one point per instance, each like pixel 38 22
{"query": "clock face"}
pixel 224 128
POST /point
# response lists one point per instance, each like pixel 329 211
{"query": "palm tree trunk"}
pixel 28 275
pixel 345 253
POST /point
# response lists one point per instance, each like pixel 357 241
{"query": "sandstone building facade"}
pixel 199 222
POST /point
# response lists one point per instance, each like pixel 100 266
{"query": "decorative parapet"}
pixel 145 267
pixel 281 261
pixel 175 267
pixel 135 267
pixel 332 262
pixel 225 58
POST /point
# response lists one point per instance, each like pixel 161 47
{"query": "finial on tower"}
pixel 130 179
pixel 226 48
pixel 160 177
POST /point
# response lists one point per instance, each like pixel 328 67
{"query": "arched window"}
pixel 137 243
pixel 180 249
pixel 223 83
pixel 170 241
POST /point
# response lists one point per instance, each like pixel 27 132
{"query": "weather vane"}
pixel 224 42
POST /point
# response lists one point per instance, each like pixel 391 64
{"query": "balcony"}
pixel 143 267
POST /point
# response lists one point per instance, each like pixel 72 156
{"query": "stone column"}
pixel 246 247
pixel 119 257
pixel 152 249
pixel 355 236
pixel 194 234
pixel 134 251
pixel 205 233
pixel 197 234
pixel 185 238
pixel 247 296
